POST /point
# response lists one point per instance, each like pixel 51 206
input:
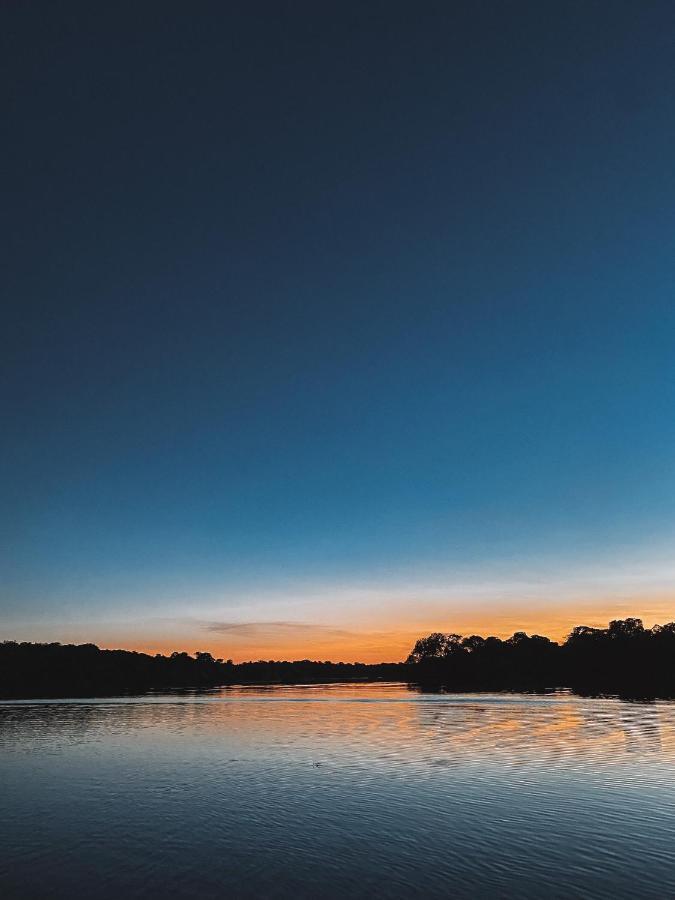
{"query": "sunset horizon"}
pixel 245 641
pixel 337 470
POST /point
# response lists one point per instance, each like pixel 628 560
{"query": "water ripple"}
pixel 337 791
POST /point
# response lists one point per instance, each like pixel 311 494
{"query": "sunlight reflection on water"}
pixel 341 790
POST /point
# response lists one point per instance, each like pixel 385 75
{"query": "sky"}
pixel 329 325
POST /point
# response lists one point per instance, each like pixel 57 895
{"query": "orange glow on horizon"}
pixel 361 644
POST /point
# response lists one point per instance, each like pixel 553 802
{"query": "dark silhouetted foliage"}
pixel 67 670
pixel 625 658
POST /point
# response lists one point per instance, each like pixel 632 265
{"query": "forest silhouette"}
pixel 624 659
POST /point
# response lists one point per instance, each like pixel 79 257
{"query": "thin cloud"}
pixel 275 629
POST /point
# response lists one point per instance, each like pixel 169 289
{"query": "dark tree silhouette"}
pixel 625 658
pixel 435 646
pixel 58 670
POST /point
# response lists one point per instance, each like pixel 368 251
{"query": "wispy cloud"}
pixel 275 629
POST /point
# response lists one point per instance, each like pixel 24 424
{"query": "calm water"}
pixel 328 791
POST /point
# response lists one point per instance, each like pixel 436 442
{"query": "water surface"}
pixel 340 790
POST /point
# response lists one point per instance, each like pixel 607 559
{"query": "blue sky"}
pixel 355 317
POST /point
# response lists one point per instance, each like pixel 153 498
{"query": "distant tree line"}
pixel 69 670
pixel 625 658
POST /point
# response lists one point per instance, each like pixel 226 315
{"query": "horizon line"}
pixel 384 662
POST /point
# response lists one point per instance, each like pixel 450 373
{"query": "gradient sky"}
pixel 328 325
